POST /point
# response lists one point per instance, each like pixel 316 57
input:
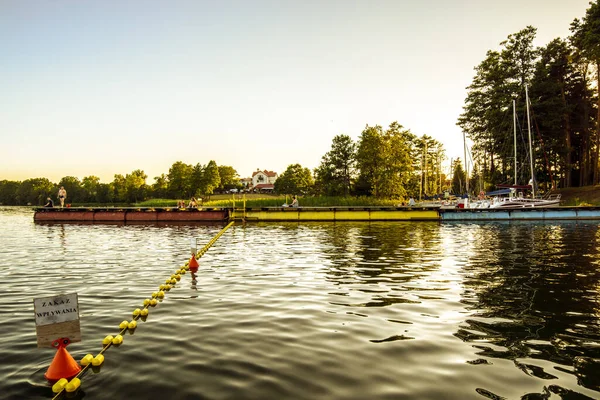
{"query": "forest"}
pixel 562 80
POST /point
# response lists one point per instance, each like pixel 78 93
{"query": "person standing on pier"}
pixel 62 195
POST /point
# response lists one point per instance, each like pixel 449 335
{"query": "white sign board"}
pixel 55 309
pixel 57 317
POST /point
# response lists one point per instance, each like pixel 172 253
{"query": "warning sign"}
pixel 56 317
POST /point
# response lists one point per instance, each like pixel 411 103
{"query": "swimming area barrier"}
pixel 63 385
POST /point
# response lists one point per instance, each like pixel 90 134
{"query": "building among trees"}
pixel 263 181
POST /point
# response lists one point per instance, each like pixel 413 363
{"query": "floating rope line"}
pixel 63 384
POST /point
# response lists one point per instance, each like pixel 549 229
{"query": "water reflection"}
pixel 523 283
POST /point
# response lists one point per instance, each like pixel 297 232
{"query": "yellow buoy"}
pixel 146 302
pixel 73 385
pixel 173 281
pixel 59 385
pixel 136 312
pixel 86 360
pixel 161 294
pixel 154 294
pixel 144 312
pixel 117 339
pixel 123 324
pixel 99 359
pixel 153 302
pixel 178 277
pixel 132 325
pixel 108 339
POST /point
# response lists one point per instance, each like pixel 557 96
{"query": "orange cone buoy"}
pixel 193 264
pixel 63 365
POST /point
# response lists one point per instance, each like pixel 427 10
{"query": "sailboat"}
pixel 515 198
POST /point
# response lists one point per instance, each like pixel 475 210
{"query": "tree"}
pixel 429 155
pixel 9 192
pixel 35 191
pixel 586 37
pixel 90 184
pixel 160 187
pixel 553 106
pixel 196 179
pixel 229 177
pixel 119 188
pixel 385 161
pixel 294 180
pixel 105 193
pixel 370 159
pixel 335 173
pixel 210 178
pixel 458 177
pixel 325 177
pixel 135 186
pixel 397 162
pixel 179 180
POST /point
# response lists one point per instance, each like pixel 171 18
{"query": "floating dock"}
pixel 218 214
pixel 128 214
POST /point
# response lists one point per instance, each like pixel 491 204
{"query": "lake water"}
pixel 391 310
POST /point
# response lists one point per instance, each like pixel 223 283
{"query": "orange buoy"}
pixel 193 265
pixel 63 365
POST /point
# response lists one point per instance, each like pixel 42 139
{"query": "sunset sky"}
pixel 107 87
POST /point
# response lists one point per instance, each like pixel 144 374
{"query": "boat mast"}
pixel 466 164
pixel 530 146
pixel 515 139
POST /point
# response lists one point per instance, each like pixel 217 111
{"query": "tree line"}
pixel 563 81
pixel 385 163
pixel 182 182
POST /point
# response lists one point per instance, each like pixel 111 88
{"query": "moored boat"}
pixel 516 199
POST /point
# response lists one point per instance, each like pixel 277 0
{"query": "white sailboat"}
pixel 516 198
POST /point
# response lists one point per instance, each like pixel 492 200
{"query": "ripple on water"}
pixel 320 310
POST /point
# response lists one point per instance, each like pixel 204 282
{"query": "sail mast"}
pixel 466 164
pixel 530 146
pixel 515 139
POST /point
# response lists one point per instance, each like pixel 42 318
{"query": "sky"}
pixel 108 87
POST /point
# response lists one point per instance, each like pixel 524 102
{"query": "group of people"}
pixel 62 195
pixel 192 204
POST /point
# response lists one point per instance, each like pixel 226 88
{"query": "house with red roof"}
pixel 263 181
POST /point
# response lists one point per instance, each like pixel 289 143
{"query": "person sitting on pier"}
pixel 411 202
pixel 294 202
pixel 50 203
pixel 193 203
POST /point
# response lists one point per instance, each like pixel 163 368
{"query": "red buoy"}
pixel 63 365
pixel 193 264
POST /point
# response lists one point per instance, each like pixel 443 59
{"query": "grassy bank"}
pixel 579 196
pixel 583 196
pixel 265 200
